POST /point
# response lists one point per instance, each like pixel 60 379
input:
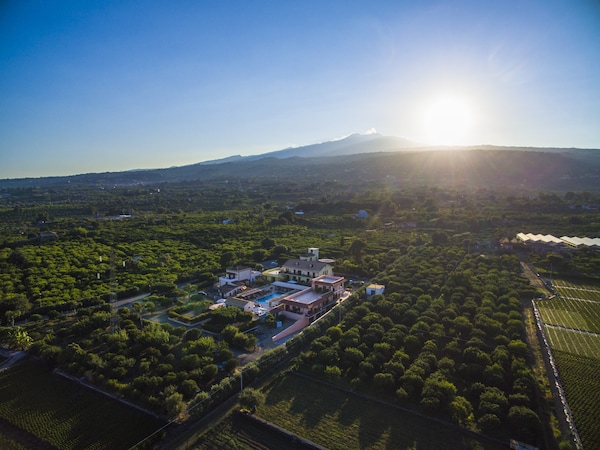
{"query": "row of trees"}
pixel 156 248
pixel 446 337
pixel 146 362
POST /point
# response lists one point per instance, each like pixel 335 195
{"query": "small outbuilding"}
pixel 244 305
pixel 374 289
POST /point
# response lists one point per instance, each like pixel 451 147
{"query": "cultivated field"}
pixel 340 420
pixel 238 432
pixel 577 343
pixel 579 376
pixel 572 325
pixel 578 309
pixel 46 409
pixel 8 444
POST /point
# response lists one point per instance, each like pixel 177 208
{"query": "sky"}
pixel 97 86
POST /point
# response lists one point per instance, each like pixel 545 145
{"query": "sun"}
pixel 446 120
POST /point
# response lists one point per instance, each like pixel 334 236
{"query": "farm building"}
pixel 374 289
pixel 540 243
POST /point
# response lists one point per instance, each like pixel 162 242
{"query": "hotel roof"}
pixel 300 264
pixel 305 297
pixel 331 279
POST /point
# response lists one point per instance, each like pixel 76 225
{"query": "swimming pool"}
pixel 268 297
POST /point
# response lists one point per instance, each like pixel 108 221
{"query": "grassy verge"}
pixel 65 415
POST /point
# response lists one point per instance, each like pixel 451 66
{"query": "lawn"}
pixel 65 415
pixel 339 420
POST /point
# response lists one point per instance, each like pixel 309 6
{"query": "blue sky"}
pixel 100 86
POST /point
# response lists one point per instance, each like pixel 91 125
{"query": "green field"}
pixel 65 415
pixel 572 325
pixel 238 432
pixel 579 375
pixel 582 344
pixel 573 308
pixel 339 420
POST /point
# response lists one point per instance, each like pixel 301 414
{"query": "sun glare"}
pixel 446 120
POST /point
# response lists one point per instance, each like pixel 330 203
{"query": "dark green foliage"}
pixel 445 316
pixel 524 423
pixel 251 399
pixel 450 352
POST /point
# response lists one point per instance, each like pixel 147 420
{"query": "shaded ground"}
pixel 8 358
pixel 22 437
pixel 337 418
pixel 265 342
pixel 38 408
pixel 239 431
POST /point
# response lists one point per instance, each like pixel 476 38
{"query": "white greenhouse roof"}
pixel 581 242
pixel 546 239
pixel 530 238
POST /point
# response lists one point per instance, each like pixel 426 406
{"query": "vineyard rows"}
pixel 572 325
pixel 580 313
pixel 586 292
pixel 573 342
pixel 67 416
pixel 579 375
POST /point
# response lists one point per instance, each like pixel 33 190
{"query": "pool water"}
pixel 268 297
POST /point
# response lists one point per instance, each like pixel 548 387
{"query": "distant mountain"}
pixel 350 145
pixel 373 157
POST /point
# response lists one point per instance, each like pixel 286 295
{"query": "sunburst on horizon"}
pixel 446 119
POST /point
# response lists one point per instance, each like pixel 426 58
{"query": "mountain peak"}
pixel 368 142
pixel 370 133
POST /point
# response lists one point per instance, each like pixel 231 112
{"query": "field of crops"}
pixel 339 420
pixel 580 380
pixel 578 343
pixel 572 318
pixel 574 308
pixel 9 444
pixel 65 415
pixel 237 432
pixel 572 325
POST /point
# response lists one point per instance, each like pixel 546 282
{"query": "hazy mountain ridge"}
pixel 349 145
pixel 374 156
